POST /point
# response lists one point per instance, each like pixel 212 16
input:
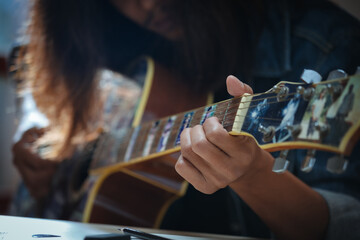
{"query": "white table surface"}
pixel 20 228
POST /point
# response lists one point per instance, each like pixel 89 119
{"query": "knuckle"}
pixel 186 150
pixel 179 165
pixel 198 144
pixel 185 132
pixel 213 134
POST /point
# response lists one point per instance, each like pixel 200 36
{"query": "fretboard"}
pixel 154 137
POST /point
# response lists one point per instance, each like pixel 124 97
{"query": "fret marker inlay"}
pixel 166 133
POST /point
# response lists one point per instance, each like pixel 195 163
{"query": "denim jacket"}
pixel 317 36
pixel 322 38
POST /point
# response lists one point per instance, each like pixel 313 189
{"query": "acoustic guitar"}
pixel 127 177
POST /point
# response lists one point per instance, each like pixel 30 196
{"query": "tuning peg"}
pixel 294 130
pixel 283 93
pixel 269 132
pixel 337 164
pixel 300 90
pixel 338 73
pixel 281 163
pixel 308 93
pixel 309 161
pixel 310 76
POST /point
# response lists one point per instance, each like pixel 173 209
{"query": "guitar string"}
pixel 247 115
pixel 231 109
pixel 234 107
pixel 176 126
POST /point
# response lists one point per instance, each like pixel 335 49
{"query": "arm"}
pixel 212 159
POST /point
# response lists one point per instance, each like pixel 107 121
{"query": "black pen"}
pixel 44 235
pixel 142 235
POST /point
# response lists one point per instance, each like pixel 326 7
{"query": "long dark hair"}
pixel 70 40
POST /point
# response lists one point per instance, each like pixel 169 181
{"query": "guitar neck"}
pixel 160 136
pixel 282 118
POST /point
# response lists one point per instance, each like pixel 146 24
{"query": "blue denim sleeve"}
pixel 344 213
pixel 340 191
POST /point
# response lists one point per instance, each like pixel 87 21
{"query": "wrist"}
pixel 261 166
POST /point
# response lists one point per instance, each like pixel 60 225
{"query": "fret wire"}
pixel 158 134
pixel 140 141
pixel 225 113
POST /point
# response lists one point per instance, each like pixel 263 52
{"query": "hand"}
pixel 36 172
pixel 212 159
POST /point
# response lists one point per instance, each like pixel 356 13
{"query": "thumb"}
pixel 237 88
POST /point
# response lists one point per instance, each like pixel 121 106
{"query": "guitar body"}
pixel 139 194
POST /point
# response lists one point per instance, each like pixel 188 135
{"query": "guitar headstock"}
pixel 316 116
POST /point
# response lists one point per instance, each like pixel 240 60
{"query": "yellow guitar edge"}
pixel 346 139
pixel 91 198
pixel 166 205
pixel 132 162
pixel 105 172
pixel 138 116
pixel 273 147
pixel 146 91
pixel 95 189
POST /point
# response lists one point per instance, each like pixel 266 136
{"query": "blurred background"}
pixel 13 14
